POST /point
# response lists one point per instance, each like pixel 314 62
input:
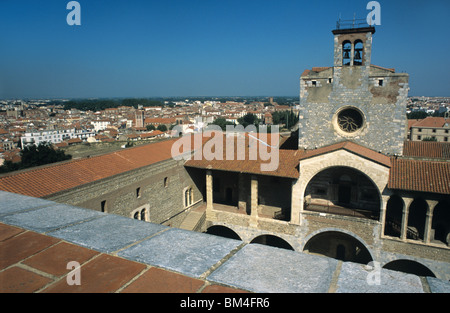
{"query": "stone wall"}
pixel 158 188
pixel 382 107
pixel 378 94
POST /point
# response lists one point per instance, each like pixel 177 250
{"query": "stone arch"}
pixel 394 212
pixel 409 267
pixel 358 56
pixel 343 190
pixel 441 223
pixel 416 219
pixel 338 244
pixel 223 231
pixel 346 52
pixel 272 240
pixel 378 174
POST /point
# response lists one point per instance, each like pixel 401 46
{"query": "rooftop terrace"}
pixel 38 238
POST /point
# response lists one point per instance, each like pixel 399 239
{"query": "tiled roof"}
pixel 383 68
pixel 431 121
pixel 245 162
pixel 420 175
pixel 51 179
pixel 412 122
pixel 320 69
pixel 427 149
pixel 351 147
pixel 288 159
pixel 160 120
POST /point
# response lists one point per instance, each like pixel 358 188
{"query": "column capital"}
pixel 431 205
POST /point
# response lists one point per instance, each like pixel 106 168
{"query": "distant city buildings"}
pixel 430 129
pixel 55 136
pixel 25 122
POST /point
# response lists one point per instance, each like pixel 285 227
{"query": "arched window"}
pixel 358 52
pixel 141 213
pixel 346 51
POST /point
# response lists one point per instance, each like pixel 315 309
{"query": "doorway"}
pixel 344 193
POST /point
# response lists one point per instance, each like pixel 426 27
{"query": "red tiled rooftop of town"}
pixel 432 121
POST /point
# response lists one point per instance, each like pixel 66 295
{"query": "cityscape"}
pixel 60 122
pixel 224 148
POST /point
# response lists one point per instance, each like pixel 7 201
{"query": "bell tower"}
pixel 353 47
pixel 353 100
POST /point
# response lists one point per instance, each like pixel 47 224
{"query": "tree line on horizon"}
pixel 102 104
pixel 33 155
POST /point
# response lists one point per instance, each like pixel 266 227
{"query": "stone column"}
pixel 296 202
pixel 428 220
pixel 254 201
pixel 352 55
pixel 242 193
pixel 209 193
pixel 384 201
pixel 405 215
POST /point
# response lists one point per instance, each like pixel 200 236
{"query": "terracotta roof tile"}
pixel 320 69
pixel 432 121
pixel 44 181
pixel 420 175
pixel 427 149
pixel 244 162
pixel 160 120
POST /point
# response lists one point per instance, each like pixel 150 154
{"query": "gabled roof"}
pixel 351 147
pixel 319 69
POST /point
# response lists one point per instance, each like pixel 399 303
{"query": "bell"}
pixel 346 55
pixel 358 55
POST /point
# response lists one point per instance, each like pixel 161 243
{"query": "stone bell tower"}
pixel 353 99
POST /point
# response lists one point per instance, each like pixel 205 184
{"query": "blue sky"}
pixel 205 47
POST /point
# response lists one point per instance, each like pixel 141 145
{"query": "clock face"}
pixel 350 120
